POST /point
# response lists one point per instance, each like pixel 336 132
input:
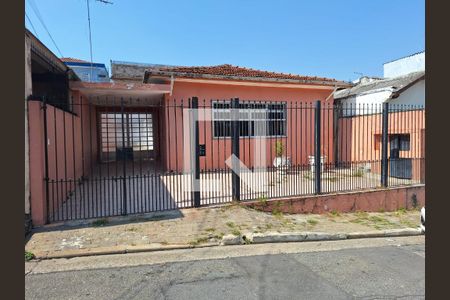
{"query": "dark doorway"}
pixel 399 167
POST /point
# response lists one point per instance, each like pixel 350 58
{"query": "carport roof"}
pixel 120 89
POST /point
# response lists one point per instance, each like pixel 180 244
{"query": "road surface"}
pixel 355 269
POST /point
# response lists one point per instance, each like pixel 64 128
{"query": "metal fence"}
pixel 116 156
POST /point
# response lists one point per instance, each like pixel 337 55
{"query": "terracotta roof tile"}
pixel 236 71
pixel 71 59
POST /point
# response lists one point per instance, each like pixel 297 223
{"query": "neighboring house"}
pixel 46 76
pixel 406 89
pixel 403 83
pixel 87 71
pixel 403 87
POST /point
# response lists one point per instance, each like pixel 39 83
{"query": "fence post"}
pixel 124 158
pixel 317 146
pixel 384 147
pixel 46 179
pixel 236 183
pixel 337 114
pixel 196 171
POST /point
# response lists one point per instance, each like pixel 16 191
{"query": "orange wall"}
pixel 66 157
pixel 360 138
pixel 299 142
pixel 37 186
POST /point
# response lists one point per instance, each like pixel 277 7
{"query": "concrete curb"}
pixel 285 237
pixel 250 238
pixel 231 239
pixel 385 233
pixel 114 250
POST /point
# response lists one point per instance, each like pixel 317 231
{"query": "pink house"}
pixel 215 86
pixel 131 127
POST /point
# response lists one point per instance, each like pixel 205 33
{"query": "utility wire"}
pixel 90 37
pixel 32 26
pixel 38 15
pixel 90 32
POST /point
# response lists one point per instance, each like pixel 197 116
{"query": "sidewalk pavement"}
pixel 205 227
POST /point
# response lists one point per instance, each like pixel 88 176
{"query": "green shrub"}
pixel 279 148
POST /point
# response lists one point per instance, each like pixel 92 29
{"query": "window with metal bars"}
pixel 132 130
pixel 273 114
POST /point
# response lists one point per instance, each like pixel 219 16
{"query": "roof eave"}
pixel 398 92
pixel 149 74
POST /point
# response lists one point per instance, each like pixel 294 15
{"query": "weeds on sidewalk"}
pixel 234 228
pixel 199 241
pixel 29 256
pixel 375 221
pixel 312 221
pixel 399 212
pixel 334 213
pixel 205 239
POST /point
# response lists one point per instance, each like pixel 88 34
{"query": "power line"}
pixel 32 26
pixel 90 36
pixel 90 32
pixel 38 15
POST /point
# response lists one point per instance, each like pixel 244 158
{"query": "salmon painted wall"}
pixel 360 139
pixel 36 141
pixel 298 143
pixel 67 159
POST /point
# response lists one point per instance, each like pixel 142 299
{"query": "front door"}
pixel 399 167
pixel 127 136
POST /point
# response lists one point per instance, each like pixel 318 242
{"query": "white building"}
pixel 405 65
pixel 403 83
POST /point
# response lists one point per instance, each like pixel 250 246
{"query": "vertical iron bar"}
pixel 74 194
pixel 177 182
pixel 384 149
pixel 196 177
pixel 44 107
pixel 317 161
pixel 83 190
pixel 124 199
pixel 235 148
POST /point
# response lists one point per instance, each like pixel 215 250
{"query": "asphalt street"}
pixel 381 272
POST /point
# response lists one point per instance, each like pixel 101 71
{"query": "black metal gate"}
pixel 115 156
pixel 109 157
